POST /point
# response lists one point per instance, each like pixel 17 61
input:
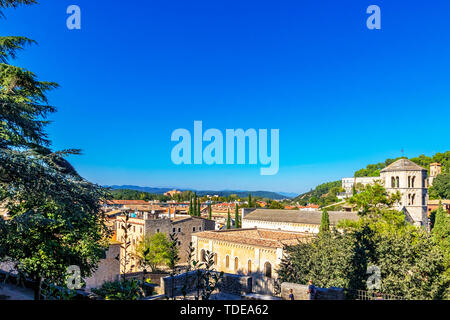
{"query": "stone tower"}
pixel 411 180
pixel 435 170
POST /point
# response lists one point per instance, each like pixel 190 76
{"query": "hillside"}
pixel 150 192
pixel 325 193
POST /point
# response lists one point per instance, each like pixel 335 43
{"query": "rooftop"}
pixel 298 216
pixel 403 165
pixel 257 237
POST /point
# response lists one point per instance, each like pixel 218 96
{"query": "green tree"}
pixel 236 217
pixel 441 187
pixel 441 234
pixel 55 219
pixel 325 222
pixel 228 219
pixel 249 200
pixel 191 210
pixel 153 251
pixel 209 211
pixel 198 208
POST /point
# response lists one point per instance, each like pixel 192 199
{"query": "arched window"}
pixel 412 181
pixel 249 266
pixel 236 264
pixel 268 270
pixel 215 258
pixel 412 199
pixel 398 182
pixel 203 256
pixel 392 182
pixel 227 261
pixel 409 181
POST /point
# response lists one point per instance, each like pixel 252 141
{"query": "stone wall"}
pixel 300 292
pixel 108 269
pixel 231 284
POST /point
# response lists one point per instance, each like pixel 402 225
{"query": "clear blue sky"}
pixel 342 96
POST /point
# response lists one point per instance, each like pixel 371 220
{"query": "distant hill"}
pixel 224 193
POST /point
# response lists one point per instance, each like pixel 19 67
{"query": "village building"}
pixel 256 252
pixel 410 180
pixel 146 225
pixel 291 220
pixel 434 205
pixel 435 170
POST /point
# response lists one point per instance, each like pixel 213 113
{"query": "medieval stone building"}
pixel 410 180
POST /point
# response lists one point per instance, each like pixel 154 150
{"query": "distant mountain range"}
pixel 223 193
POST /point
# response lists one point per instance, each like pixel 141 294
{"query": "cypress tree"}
pixel 236 217
pixel 198 208
pixel 190 208
pixel 229 219
pixel 194 205
pixel 210 211
pixel 325 222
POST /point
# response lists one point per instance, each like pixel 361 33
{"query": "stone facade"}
pixel 231 284
pixel 108 268
pixel 182 226
pixel 300 292
pixel 411 181
pixel 252 252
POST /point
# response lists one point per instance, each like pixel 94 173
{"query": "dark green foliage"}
pixel 236 217
pixel 228 219
pixel 55 219
pixel 441 187
pixel 120 290
pixel 411 266
pixel 323 194
pixel 128 194
pixel 209 211
pixel 325 222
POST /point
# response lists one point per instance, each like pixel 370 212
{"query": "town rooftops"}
pixel 298 216
pixel 126 202
pixel 403 165
pixel 256 237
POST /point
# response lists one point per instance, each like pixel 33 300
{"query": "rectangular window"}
pixel 193 229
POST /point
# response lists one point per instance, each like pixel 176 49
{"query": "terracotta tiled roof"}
pixel 403 165
pixel 256 237
pixel 298 216
pixel 127 202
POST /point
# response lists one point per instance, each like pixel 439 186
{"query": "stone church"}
pixel 411 180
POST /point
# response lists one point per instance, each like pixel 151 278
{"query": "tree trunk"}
pixel 37 288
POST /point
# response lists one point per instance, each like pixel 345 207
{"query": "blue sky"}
pixel 341 95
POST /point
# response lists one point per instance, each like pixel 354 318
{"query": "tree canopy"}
pixel 53 214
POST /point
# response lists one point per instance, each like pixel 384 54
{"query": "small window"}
pixel 193 229
pixel 157 230
pixel 203 255
pixel 268 270
pixel 199 228
pixel 179 229
pixel 215 258
pixel 174 230
pixel 236 264
pixel 249 266
pixel 227 261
